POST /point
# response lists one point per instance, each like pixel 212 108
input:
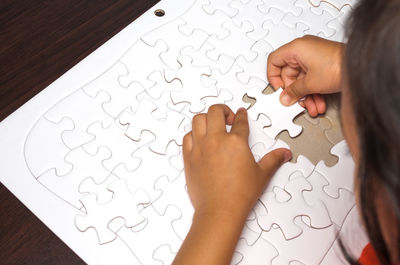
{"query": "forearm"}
pixel 211 240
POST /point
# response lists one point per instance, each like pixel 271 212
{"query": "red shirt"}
pixel 368 256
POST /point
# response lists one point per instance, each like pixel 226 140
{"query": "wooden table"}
pixel 39 41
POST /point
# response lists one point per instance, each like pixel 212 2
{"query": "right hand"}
pixel 306 67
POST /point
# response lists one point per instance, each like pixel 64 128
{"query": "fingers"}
pixel 276 61
pixel 320 103
pixel 199 126
pixel 240 124
pixel 272 161
pixel 294 92
pixel 310 106
pixel 187 149
pixel 218 116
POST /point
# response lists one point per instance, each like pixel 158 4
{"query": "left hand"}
pixel 221 173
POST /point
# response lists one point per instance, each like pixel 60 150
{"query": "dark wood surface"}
pixel 39 41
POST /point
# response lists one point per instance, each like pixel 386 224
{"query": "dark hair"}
pixel 372 72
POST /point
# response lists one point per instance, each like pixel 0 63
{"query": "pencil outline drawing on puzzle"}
pixel 112 148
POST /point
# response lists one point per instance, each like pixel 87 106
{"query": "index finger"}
pixel 241 124
pixel 218 116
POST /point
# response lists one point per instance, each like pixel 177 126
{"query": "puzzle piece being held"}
pixel 281 116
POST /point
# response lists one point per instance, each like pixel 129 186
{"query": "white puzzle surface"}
pixel 97 154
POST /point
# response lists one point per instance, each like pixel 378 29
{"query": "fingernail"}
pixel 288 155
pixel 285 99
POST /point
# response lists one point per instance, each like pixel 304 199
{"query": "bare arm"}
pixel 224 182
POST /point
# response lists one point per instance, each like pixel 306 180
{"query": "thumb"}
pixel 272 161
pixel 294 92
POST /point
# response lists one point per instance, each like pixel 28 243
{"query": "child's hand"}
pixel 222 176
pixel 308 66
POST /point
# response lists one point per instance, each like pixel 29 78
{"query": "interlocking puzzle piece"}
pixel 249 11
pixel 120 97
pixel 317 23
pixel 283 214
pixel 338 22
pixel 353 237
pixel 147 173
pixel 252 225
pixel 288 6
pixel 285 33
pixel 84 165
pixel 193 89
pixel 135 61
pixel 249 235
pixel 200 59
pixel 334 134
pixel 261 252
pixel 238 35
pixel 161 85
pixel 174 193
pixel 123 205
pixel 338 4
pixel 164 104
pixel 338 208
pixel 121 147
pixel 100 189
pixel 260 149
pixel 310 136
pixel 280 194
pixel 223 97
pixel 164 131
pixel 236 258
pixel 223 5
pixel 164 254
pixel 175 41
pixel 229 81
pixel 82 110
pixel 196 18
pixel 284 173
pixel 339 176
pixel 302 248
pixel 46 137
pixel 157 232
pixel 258 67
pixel 257 134
pixel 281 116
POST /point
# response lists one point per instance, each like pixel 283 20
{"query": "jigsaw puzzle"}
pixel 111 149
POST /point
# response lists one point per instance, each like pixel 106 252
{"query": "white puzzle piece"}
pixel 281 116
pixel 120 97
pixel 137 70
pixel 97 156
pixel 82 110
pixel 174 40
pixel 283 214
pixel 52 149
pixel 200 59
pixel 164 131
pixel 84 166
pixel 158 228
pixel 250 12
pixel 210 24
pixel 238 35
pixel 103 194
pixel 123 205
pixel 341 174
pixel 215 5
pixel 193 89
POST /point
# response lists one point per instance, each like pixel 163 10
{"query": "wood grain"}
pixel 39 41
